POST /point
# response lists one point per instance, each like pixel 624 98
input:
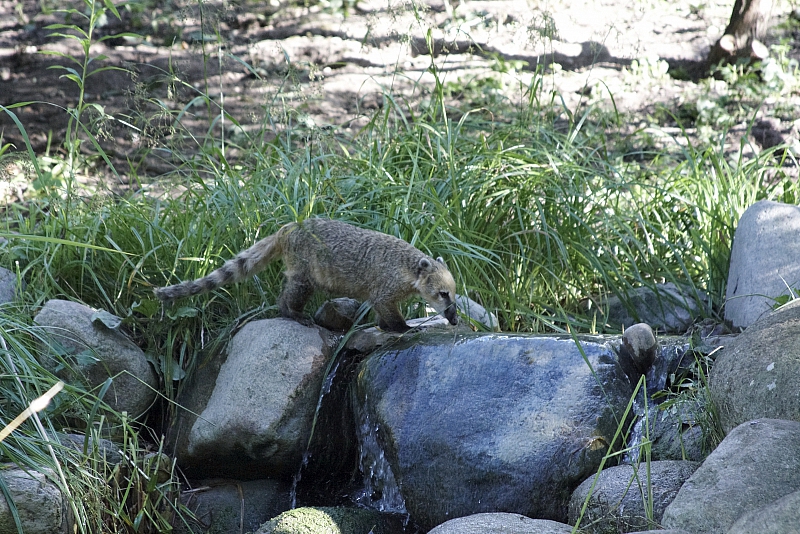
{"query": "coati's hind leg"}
pixel 390 318
pixel 292 301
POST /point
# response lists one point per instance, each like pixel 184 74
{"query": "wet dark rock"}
pixel 370 339
pixel 678 430
pixel 485 423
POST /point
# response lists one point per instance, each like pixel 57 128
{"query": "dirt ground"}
pixel 323 66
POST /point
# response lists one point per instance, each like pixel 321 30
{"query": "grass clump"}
pixel 106 488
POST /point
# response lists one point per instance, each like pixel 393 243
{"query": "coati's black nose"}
pixel 451 314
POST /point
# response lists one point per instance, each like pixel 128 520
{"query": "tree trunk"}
pixel 744 34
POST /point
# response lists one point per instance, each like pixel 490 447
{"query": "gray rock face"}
pixel 39 503
pixel 483 423
pixel 500 523
pixel 765 258
pixel 666 308
pixel 257 419
pixel 780 517
pixel 617 502
pixel 100 448
pixel 9 289
pixel 477 313
pixel 337 314
pixel 95 353
pixel 756 464
pixel 368 340
pixel 227 505
pixel 676 432
pixel 757 374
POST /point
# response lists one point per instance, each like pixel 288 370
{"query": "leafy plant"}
pixel 81 71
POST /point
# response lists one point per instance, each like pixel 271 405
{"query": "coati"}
pixel 342 260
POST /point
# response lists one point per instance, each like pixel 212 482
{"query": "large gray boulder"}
pixel 755 465
pixel 779 517
pixel 667 308
pixel 500 523
pixel 256 412
pixel 765 261
pixel 757 374
pixel 41 507
pixel 92 351
pixel 485 423
pixel 619 497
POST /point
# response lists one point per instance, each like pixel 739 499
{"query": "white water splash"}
pixel 380 491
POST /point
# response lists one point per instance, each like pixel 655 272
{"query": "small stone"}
pixel 638 350
pixel 337 314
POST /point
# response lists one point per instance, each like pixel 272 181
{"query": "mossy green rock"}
pixel 331 521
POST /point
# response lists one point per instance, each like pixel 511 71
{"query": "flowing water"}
pixel 326 388
pixel 380 490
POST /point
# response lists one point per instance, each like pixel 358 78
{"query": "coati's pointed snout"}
pixel 451 314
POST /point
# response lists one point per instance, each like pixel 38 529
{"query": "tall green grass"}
pixel 100 494
pixel 534 222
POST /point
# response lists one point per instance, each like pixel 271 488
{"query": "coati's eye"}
pixel 444 294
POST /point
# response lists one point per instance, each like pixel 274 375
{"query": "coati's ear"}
pixel 423 265
pixel 440 260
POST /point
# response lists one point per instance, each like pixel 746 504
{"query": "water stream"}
pixel 380 490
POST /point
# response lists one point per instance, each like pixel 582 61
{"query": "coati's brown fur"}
pixel 341 260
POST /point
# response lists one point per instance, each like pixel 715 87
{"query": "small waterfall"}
pixel 296 480
pixel 326 388
pixel 380 490
pixel 634 453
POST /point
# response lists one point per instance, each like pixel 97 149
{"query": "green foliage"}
pixel 131 495
pixel 80 26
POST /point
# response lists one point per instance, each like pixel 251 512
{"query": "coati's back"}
pixel 348 260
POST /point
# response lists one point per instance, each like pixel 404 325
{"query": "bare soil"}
pixel 316 66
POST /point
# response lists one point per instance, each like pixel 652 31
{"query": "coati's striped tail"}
pixel 243 265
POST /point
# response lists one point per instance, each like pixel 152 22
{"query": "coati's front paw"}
pixel 301 318
pixel 306 321
pixel 399 327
